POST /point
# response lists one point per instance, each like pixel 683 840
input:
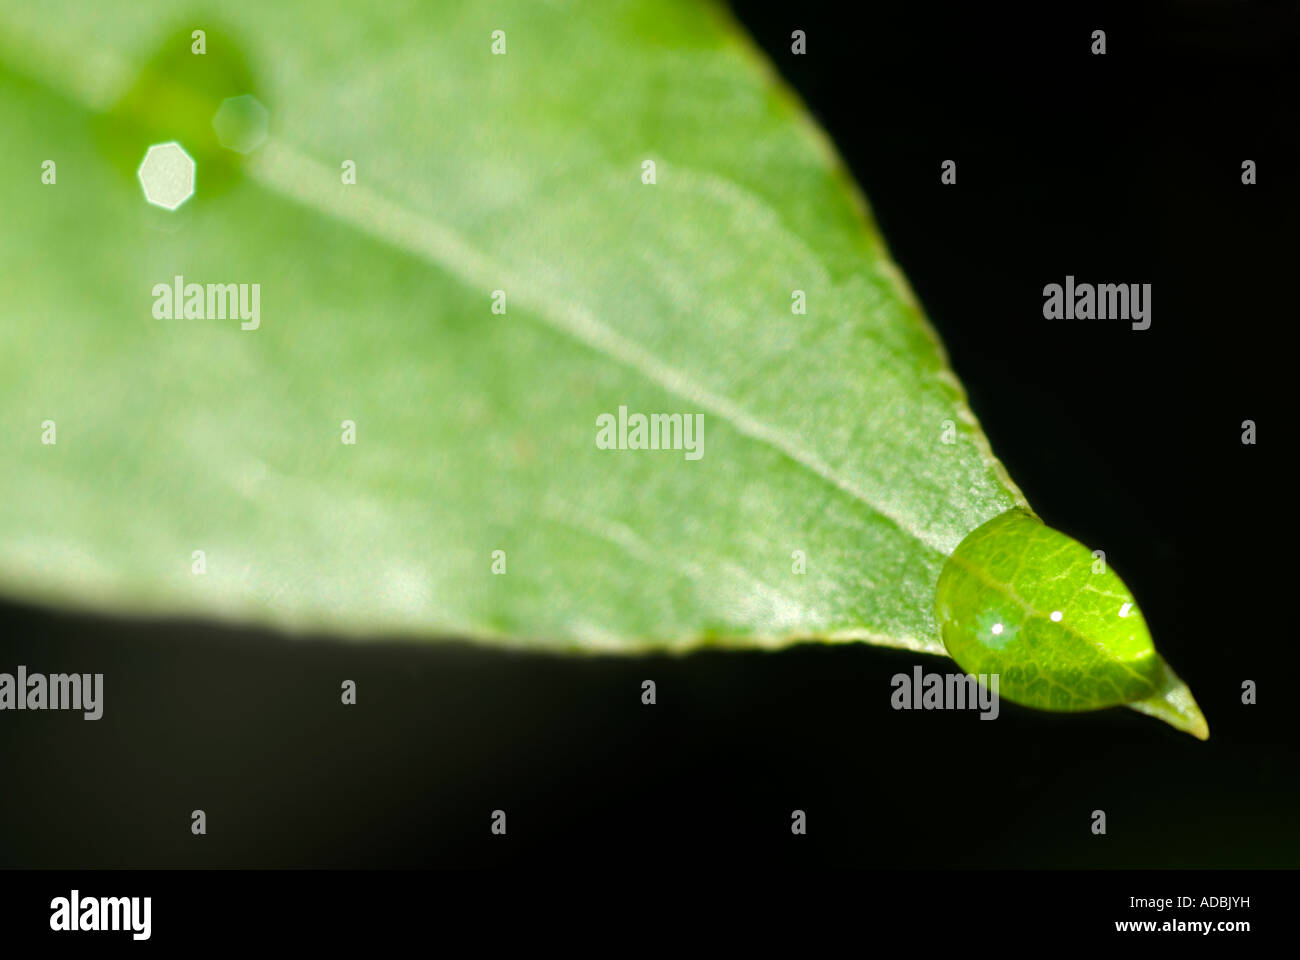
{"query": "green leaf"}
pixel 841 465
pixel 1055 624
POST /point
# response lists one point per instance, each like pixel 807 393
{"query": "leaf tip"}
pixel 1175 705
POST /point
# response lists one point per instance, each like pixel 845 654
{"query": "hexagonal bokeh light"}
pixel 167 175
pixel 241 123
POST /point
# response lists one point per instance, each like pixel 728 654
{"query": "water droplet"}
pixel 1000 607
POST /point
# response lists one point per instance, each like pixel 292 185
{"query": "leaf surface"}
pixel 475 431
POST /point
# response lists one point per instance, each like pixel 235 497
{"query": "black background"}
pixel 1122 168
